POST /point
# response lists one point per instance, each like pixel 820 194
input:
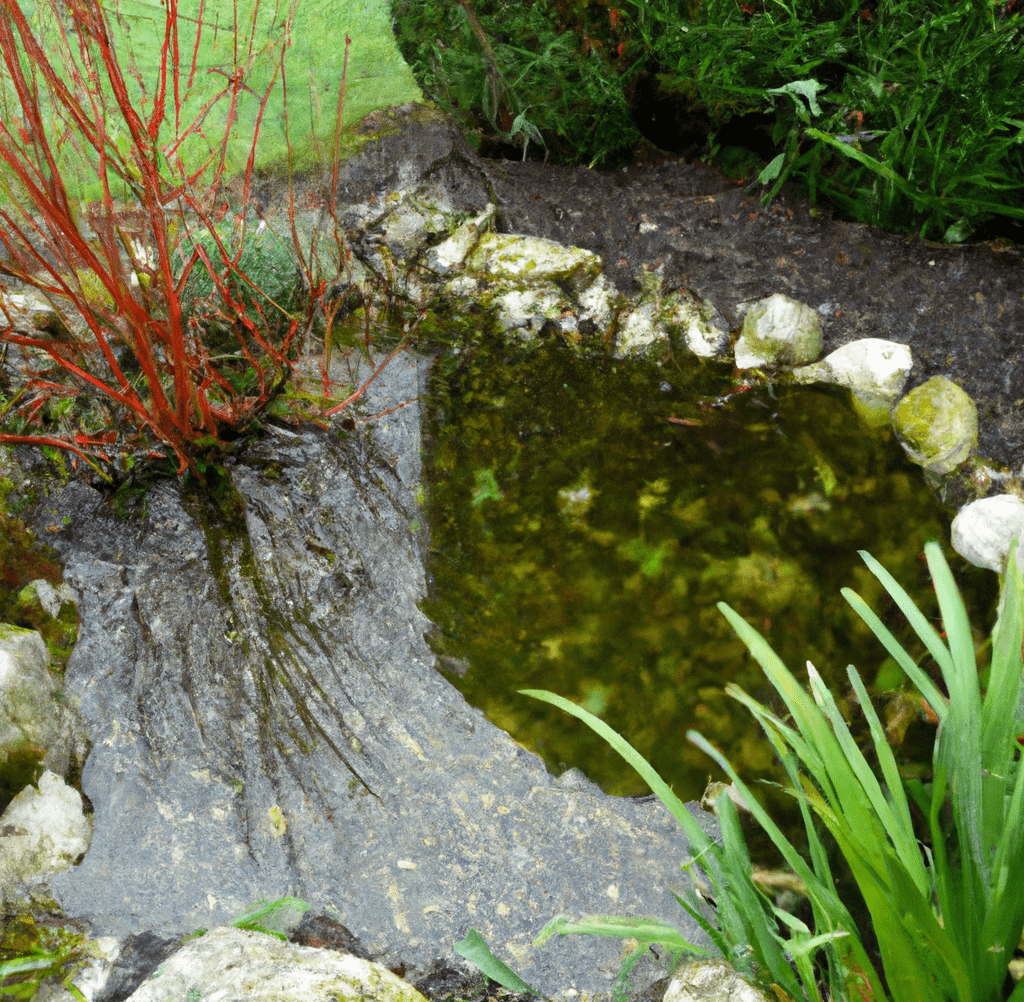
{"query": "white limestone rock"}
pixel 937 425
pixel 711 981
pixel 874 369
pixel 512 261
pixel 655 318
pixel 29 714
pixel 234 965
pixel 42 832
pixel 984 529
pixel 450 254
pixel 527 310
pixel 778 331
pixel 638 330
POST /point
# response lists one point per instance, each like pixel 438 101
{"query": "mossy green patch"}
pixel 37 948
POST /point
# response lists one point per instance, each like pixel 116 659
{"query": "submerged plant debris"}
pixel 588 513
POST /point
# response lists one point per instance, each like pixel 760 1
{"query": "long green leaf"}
pixel 830 764
pixel 1003 714
pixel 882 170
pixel 475 949
pixel 793 859
pixel 924 684
pixel 645 930
pixel 761 924
pixel 830 913
pixel 928 634
pixel 19 965
pixel 899 832
pixel 697 837
pixel 893 780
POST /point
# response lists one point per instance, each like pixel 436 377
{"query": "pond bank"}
pixel 264 715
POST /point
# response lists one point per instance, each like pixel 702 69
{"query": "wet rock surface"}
pixel 267 720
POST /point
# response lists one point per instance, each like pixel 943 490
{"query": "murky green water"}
pixel 588 514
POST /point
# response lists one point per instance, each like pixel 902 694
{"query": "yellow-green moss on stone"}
pixel 937 425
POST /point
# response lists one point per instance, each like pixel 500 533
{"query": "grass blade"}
pixel 664 792
pixel 475 949
pixel 928 634
pixel 925 685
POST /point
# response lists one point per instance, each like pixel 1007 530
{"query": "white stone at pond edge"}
pixel 48 831
pixel 778 331
pixel 874 369
pixel 937 425
pixel 234 965
pixel 451 253
pixel 711 981
pixel 511 261
pixel 983 530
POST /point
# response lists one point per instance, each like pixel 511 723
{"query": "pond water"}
pixel 588 513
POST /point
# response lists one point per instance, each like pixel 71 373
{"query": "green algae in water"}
pixel 587 514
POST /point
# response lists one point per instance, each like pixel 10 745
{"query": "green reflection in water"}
pixel 587 515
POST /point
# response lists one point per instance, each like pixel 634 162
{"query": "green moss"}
pixel 56 947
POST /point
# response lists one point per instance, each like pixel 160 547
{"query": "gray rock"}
pixel 234 965
pixel 937 425
pixel 778 331
pixel 267 720
pixel 984 529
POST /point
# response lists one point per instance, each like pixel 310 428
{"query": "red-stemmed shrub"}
pixel 114 271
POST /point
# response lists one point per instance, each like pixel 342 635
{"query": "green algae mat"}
pixel 587 514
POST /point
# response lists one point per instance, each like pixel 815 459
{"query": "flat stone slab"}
pixel 267 720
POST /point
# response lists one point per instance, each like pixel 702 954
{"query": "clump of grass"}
pixel 904 115
pixel 519 73
pixel 947 915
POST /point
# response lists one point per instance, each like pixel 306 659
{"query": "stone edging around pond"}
pixel 524 287
pixel 418 211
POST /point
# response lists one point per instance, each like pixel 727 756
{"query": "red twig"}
pixel 75 88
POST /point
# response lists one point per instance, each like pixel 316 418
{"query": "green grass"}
pixel 904 115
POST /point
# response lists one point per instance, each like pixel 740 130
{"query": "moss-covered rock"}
pixel 778 331
pixel 937 425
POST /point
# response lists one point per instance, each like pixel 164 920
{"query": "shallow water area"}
pixel 587 514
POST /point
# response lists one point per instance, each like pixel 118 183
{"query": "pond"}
pixel 587 514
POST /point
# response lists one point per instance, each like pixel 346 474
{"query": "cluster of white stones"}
pixel 936 423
